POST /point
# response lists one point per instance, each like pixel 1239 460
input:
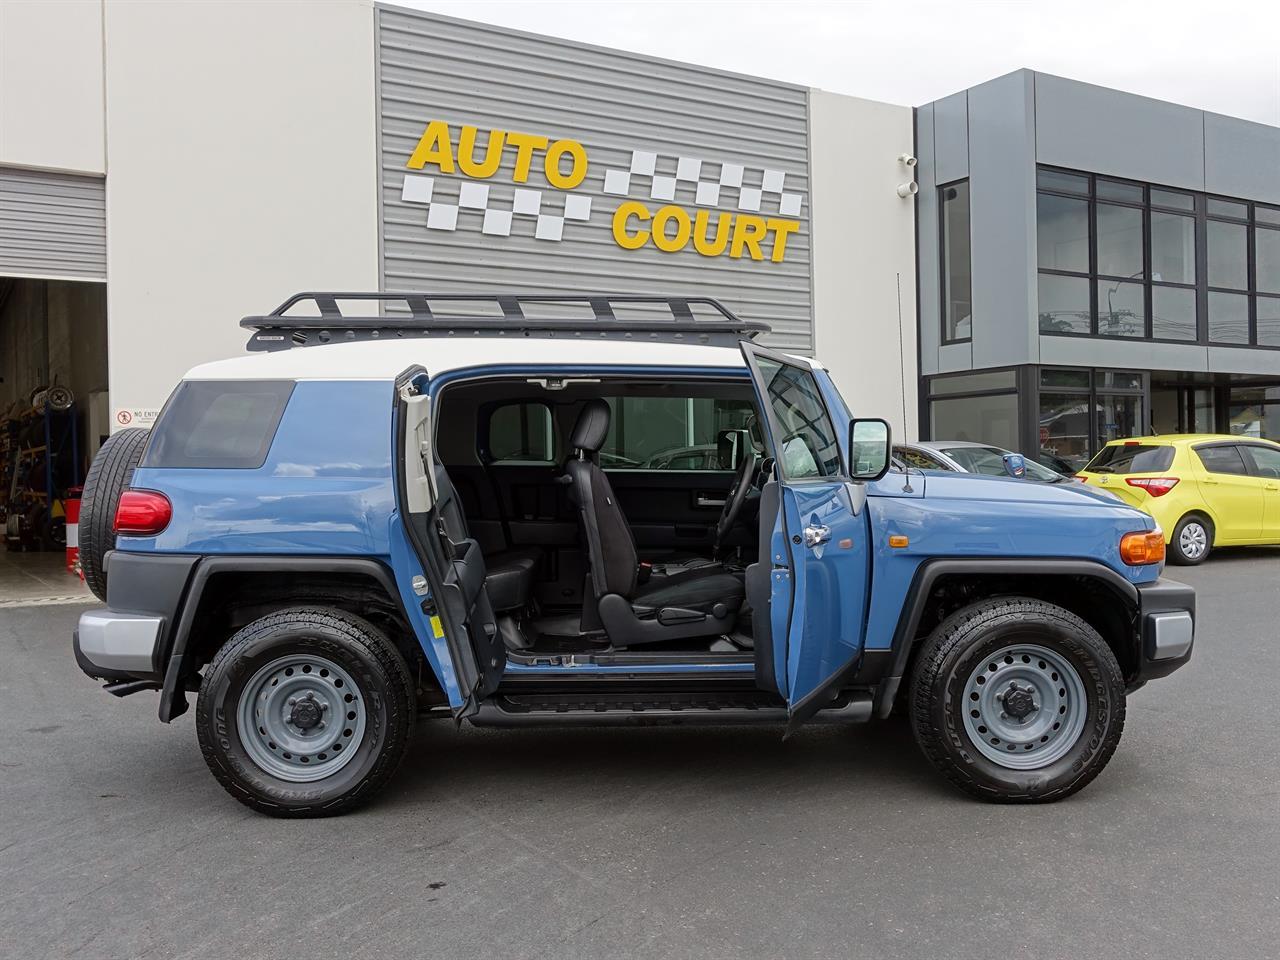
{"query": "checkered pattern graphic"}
pixel 727 188
pixel 498 216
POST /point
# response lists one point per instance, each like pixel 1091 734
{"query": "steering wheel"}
pixel 742 486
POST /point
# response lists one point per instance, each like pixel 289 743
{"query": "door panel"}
pixel 1230 492
pixel 1266 466
pixel 822 576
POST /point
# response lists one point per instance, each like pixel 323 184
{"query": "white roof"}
pixel 386 359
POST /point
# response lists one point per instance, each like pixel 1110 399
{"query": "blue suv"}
pixel 404 506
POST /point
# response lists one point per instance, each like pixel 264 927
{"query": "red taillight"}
pixel 142 513
pixel 1156 486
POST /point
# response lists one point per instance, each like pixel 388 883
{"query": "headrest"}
pixel 592 427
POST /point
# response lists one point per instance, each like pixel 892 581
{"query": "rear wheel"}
pixel 1017 700
pixel 305 713
pixel 1192 540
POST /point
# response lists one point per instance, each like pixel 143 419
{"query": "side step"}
pixel 554 710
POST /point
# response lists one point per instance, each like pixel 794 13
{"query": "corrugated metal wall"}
pixel 614 103
pixel 52 224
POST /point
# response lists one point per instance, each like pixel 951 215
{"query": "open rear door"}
pixel 821 562
pixel 441 575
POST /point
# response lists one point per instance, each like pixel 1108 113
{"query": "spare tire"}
pixel 109 475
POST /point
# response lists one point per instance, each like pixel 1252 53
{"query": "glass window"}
pixel 1228 255
pixel 227 424
pixel 956 270
pixel 1269 321
pixel 1228 317
pixel 1064 426
pixel 1173 248
pixel 1122 310
pixel 807 445
pixel 673 433
pixel 1064 304
pixel 1266 460
pixel 1119 241
pixel 1173 313
pixel 1254 412
pixel 1062 233
pixel 521 433
pixel 1066 182
pixel 1263 214
pixel 992 419
pixel 1065 378
pixel 1224 458
pixel 974 382
pixel 990 461
pixel 1120 416
pixel 1115 190
pixel 1266 249
pixel 1227 208
pixel 1117 380
pixel 914 457
pixel 1172 198
pixel 1132 458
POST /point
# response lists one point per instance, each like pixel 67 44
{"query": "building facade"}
pixel 222 164
pixel 1094 265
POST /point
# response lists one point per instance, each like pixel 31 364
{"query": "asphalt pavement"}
pixel 115 841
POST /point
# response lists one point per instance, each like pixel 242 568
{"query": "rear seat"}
pixel 509 575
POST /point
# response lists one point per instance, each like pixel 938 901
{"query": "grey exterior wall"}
pixel 52 224
pixel 435 68
pixel 995 134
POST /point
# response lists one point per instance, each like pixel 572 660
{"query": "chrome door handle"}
pixel 815 536
pixel 704 501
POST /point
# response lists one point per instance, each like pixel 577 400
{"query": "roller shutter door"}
pixel 52 225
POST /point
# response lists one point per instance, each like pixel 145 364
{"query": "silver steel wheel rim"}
pixel 1024 707
pixel 1193 540
pixel 301 718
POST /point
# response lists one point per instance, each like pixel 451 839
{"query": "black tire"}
pixel 957 649
pixel 109 475
pixel 1180 556
pixel 378 671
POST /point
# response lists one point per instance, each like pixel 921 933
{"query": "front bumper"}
pixel 1166 628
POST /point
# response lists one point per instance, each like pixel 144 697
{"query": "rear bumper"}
pixel 1166 628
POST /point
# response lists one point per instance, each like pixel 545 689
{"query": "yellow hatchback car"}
pixel 1205 490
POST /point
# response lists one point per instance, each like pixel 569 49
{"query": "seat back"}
pixel 611 550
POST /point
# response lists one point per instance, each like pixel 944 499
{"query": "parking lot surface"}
pixel 116 841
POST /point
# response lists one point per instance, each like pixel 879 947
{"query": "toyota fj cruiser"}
pixel 465 506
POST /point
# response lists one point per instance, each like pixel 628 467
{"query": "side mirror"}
pixel 1015 465
pixel 870 449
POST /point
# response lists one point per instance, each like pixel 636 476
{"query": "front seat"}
pixel 697 602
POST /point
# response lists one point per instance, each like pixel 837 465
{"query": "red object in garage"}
pixel 71 507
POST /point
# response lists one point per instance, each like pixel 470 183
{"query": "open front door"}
pixel 820 561
pixel 439 569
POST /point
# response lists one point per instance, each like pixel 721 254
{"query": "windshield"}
pixel 1131 458
pixel 990 460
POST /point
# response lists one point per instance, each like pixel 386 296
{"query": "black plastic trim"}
pixel 1163 596
pixel 930 571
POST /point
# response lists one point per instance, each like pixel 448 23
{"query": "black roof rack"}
pixel 416 318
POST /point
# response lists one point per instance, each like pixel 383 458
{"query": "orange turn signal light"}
pixel 1142 547
pixel 897 540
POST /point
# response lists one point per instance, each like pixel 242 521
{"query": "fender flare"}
pixel 930 571
pixel 173 693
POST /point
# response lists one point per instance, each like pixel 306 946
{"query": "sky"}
pixel 1219 55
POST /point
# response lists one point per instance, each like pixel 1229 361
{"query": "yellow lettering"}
pixel 748 231
pixel 630 241
pixel 781 228
pixel 700 243
pixel 577 153
pixel 492 153
pixel 660 220
pixel 434 147
pixel 525 144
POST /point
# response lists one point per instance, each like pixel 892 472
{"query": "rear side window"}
pixel 521 433
pixel 218 424
pixel 1224 459
pixel 1132 458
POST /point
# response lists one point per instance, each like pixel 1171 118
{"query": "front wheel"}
pixel 1017 700
pixel 305 712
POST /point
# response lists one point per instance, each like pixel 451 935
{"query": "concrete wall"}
pixel 51 85
pixel 242 169
pixel 864 290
